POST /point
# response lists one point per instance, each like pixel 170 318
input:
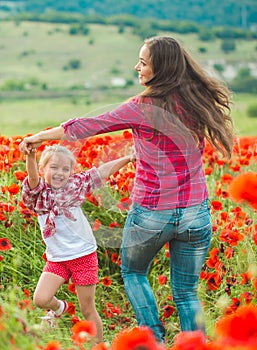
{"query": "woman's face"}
pixel 144 66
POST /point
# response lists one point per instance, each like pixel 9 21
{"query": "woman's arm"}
pixel 31 142
pixel 32 169
pixel 111 167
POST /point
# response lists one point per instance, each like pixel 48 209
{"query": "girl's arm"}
pixel 111 167
pixel 29 143
pixel 32 169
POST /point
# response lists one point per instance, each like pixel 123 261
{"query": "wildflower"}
pixel 168 311
pixel 115 258
pixel 83 330
pixel 216 205
pixel 96 225
pixel 190 340
pixel 71 309
pixel 124 204
pixel 12 189
pixel 162 279
pixel 244 189
pixel 53 345
pixel 72 288
pixel 5 244
pixel 107 281
pixel 20 175
pixel 136 338
pixel 232 237
pixel 114 224
pixel 239 328
pixel 100 346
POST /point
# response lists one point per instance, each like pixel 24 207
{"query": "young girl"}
pixel 57 197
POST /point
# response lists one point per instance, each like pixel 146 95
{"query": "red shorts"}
pixel 83 271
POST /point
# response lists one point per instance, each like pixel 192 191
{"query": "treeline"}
pixel 141 27
pixel 208 13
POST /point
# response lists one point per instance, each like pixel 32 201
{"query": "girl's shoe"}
pixel 50 318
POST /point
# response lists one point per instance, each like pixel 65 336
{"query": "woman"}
pixel 180 107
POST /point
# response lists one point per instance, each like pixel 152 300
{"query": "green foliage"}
pixel 76 29
pixel 244 82
pixel 73 64
pixel 228 45
pixel 252 111
pixel 206 12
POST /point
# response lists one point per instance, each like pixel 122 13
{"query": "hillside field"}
pixel 36 54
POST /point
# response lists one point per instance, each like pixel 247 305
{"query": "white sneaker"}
pixel 50 318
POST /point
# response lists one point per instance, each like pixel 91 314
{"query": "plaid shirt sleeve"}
pixel 30 196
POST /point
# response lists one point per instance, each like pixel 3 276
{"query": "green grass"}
pixel 23 116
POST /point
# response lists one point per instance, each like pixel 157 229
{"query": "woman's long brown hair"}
pixel 204 101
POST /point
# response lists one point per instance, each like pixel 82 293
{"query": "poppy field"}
pixel 228 281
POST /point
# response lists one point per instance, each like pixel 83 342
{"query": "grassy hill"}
pixel 35 58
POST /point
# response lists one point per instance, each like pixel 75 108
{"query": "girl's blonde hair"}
pixel 55 149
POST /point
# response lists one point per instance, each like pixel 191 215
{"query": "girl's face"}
pixel 144 66
pixel 57 170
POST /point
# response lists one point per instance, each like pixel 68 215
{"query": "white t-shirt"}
pixel 72 239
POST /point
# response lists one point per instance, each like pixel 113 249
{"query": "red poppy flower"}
pixel 214 280
pixel 71 309
pixel 124 203
pixel 72 288
pixel 216 205
pixel 244 189
pixel 226 178
pixel 53 345
pixel 194 340
pixel 115 258
pixel 114 224
pixel 96 225
pixel 100 346
pixel 168 311
pixel 231 237
pixel 136 338
pixel 13 189
pixel 83 330
pixel 239 328
pixel 229 252
pixel 162 279
pixel 26 292
pixel 107 281
pixel 5 244
pixel 74 319
pixel 20 175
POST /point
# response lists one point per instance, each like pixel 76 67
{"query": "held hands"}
pixel 29 144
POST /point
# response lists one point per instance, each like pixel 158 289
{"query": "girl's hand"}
pixel 29 144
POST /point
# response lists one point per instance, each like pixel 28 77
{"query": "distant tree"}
pixel 228 45
pixel 76 29
pixel 73 64
pixel 206 35
pixel 121 29
pixel 252 111
pixel 218 67
pixel 244 82
pixel 202 49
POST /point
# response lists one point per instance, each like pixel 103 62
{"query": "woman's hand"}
pixel 30 143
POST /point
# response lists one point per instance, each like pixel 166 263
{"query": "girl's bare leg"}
pixel 44 295
pixel 86 298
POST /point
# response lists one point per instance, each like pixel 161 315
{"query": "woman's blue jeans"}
pixel 188 232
